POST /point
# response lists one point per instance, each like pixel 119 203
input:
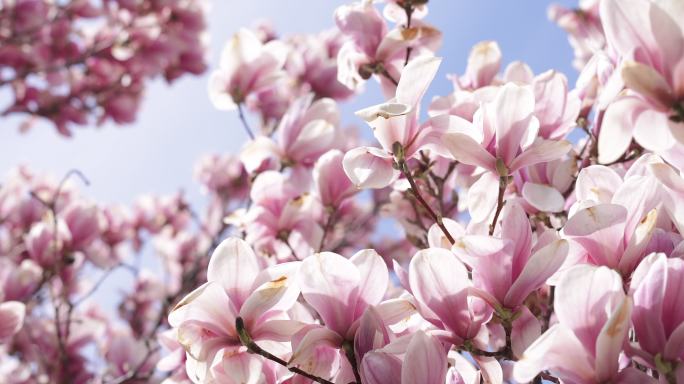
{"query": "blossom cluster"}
pixel 81 62
pixel 518 254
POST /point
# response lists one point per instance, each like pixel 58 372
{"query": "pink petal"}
pixel 425 361
pixel 674 348
pixel 515 226
pixel 526 329
pixel 513 108
pixel 416 78
pixel 490 368
pixel 259 151
pixel 648 304
pixel 484 62
pixel 600 231
pixel 597 183
pixel 440 281
pixel 11 318
pixel 543 197
pixel 318 352
pixel 586 298
pixel 542 265
pixel 541 151
pixel 234 266
pixel 649 83
pixel 332 183
pixel 371 334
pixel 374 279
pixel 627 26
pixel 466 150
pixel 611 340
pixel 236 367
pixel 559 351
pixel 330 285
pixel 279 293
pixel 369 167
pixel 481 201
pixel 652 130
pixel 617 127
pixel 380 368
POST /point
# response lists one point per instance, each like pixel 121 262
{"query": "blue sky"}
pixel 177 123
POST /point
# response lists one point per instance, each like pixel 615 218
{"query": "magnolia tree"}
pixel 524 256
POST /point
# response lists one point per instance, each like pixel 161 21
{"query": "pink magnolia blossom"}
pixel 503 137
pixel 396 121
pixel 12 315
pixel 306 131
pixel 439 281
pixel 614 220
pixel 237 285
pixel 373 49
pixel 420 359
pixel 584 29
pixel 653 71
pixel 247 66
pixel 584 346
pixel 658 319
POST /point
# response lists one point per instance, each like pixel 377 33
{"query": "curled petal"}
pixel 369 167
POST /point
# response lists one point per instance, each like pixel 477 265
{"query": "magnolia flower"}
pixel 503 136
pixel 584 29
pixel 420 359
pixel 11 318
pixel 593 315
pixel 339 290
pixel 372 49
pixel 614 220
pixel 306 131
pixel 657 316
pixel 439 281
pixel 237 286
pixel 648 35
pixel 395 123
pixel 247 66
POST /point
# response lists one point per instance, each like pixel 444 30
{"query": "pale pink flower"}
pixel 593 315
pixel 247 66
pixel 614 220
pixel 306 131
pixel 418 359
pixel 396 121
pixel 658 317
pixel 439 281
pixel 503 137
pixel 648 36
pixel 12 315
pixel 237 286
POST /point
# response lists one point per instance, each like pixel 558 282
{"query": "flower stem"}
pixel 244 122
pixel 503 182
pixel 403 167
pixel 252 347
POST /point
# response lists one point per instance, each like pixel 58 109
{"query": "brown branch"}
pixel 403 168
pixel 503 183
pixel 254 348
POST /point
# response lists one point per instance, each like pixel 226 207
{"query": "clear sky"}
pixel 177 123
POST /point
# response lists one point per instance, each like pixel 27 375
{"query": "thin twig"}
pixel 503 183
pixel 254 348
pixel 403 167
pixel 244 121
